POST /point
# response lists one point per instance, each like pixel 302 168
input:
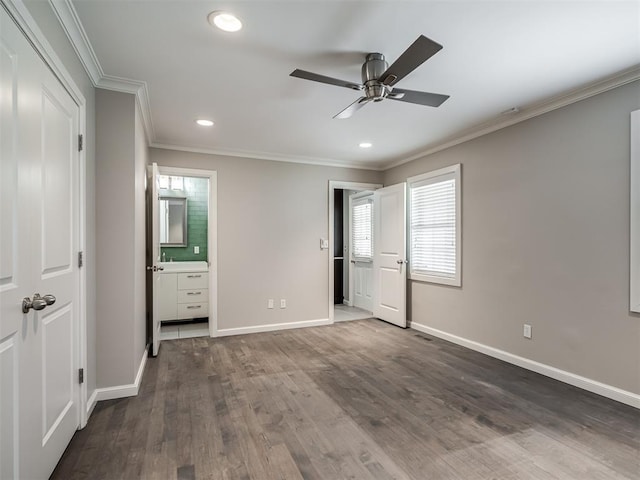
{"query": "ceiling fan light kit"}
pixel 378 78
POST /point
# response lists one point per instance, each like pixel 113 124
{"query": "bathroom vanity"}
pixel 183 290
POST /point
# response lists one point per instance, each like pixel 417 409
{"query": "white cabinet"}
pixel 183 295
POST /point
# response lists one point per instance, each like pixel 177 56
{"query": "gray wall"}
pixel 120 238
pixel 545 241
pixel 271 216
pixel 48 23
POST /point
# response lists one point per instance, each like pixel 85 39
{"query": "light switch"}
pixel 196 249
pixel 324 244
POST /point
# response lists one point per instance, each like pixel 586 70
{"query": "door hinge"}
pixel 80 142
pixel 81 376
pixel 80 259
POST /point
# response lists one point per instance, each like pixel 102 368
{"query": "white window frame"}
pixel 442 174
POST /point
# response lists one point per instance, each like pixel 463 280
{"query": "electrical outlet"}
pixel 270 303
pixel 527 331
pixel 196 249
pixel 283 303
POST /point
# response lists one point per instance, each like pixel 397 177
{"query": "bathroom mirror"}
pixel 173 221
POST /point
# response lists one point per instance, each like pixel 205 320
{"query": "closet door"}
pixel 39 225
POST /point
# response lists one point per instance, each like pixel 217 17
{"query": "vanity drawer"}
pixel 193 296
pixel 193 310
pixel 193 281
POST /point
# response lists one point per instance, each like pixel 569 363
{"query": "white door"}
pixel 154 212
pixel 389 257
pixel 361 250
pixel 39 231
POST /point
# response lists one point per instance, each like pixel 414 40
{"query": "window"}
pixel 434 226
pixel 362 233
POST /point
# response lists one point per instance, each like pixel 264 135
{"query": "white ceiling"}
pixel 496 55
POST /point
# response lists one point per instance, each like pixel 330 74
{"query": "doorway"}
pixel 341 271
pixel 182 298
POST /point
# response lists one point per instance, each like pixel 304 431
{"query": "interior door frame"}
pixel 212 235
pixel 339 185
pixel 23 18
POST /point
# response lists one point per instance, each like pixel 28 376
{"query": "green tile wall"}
pixel 197 192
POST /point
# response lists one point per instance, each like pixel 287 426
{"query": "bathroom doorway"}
pixel 182 283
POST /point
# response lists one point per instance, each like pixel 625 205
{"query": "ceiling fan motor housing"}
pixel 372 69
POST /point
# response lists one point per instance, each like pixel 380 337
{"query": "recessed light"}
pixel 225 21
pixel 365 145
pixel 204 123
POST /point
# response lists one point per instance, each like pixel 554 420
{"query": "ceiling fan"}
pixel 378 79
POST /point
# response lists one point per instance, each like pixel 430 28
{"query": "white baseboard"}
pixel 273 327
pixel 123 391
pixel 614 393
pixel 91 403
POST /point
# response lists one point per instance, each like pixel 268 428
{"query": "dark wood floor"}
pixel 357 400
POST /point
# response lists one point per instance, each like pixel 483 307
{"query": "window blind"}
pixel 361 235
pixel 433 227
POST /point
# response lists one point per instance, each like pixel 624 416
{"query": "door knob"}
pixel 38 302
pixel 49 299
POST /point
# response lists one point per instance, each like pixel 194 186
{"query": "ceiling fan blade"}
pixel 322 79
pixel 414 56
pixel 421 98
pixel 353 108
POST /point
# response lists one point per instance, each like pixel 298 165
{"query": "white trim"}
pixel 333 185
pixel 614 393
pixel 634 243
pixel 123 391
pixel 25 21
pixel 91 403
pixel 134 87
pixel 273 327
pixel 525 113
pixel 72 26
pixel 82 247
pixel 275 157
pixel 212 235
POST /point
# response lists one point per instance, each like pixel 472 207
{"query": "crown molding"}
pixel 323 162
pixel 68 17
pixel 137 88
pixel 534 110
pixel 72 26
